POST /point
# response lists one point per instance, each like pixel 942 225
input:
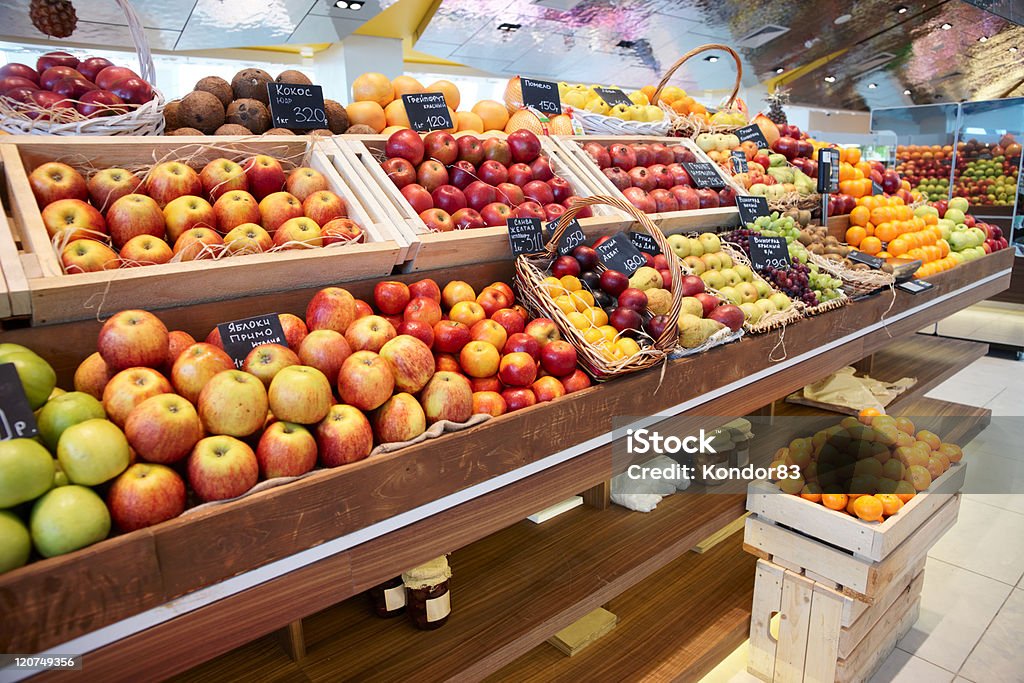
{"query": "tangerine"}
pixel 834 501
pixel 855 235
pixel 867 414
pixel 891 503
pixel 868 508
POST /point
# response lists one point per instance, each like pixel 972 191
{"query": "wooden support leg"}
pixel 293 641
pixel 865 365
pixel 599 497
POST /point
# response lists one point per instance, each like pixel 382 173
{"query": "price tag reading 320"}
pixel 297 106
pixel 769 252
pixel 619 253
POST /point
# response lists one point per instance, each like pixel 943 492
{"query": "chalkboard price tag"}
pixel 297 106
pixel 704 175
pixel 828 170
pixel 239 337
pixel 525 236
pixel 751 207
pixel 753 134
pixel 613 96
pixel 619 253
pixel 915 286
pixel 16 418
pixel 876 189
pixel 571 238
pixel 644 242
pixel 427 111
pixel 541 95
pixel 769 252
pixel 866 259
pixel 739 161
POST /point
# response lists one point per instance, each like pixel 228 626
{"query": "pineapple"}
pixel 776 100
pixel 55 18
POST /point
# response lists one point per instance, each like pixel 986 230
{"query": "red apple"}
pixel 425 288
pixel 544 330
pixel 448 198
pixel 365 380
pixel 729 315
pixel 541 168
pixel 561 190
pixel 470 149
pixel 431 174
pixel 286 449
pixel 400 419
pixel 529 209
pixel 265 175
pixel 221 467
pixel 447 396
pixel 437 220
pixel 709 301
pixel 196 366
pixel 496 149
pixel 331 308
pixel 133 338
pixel 510 194
pixel 558 358
pixel 519 174
pixel 479 194
pixel 493 300
pixel 441 146
pixel 461 174
pixel 344 436
pixel 418 329
pixel 613 282
pixel 547 389
pixel 625 319
pixel 369 333
pixel 74 217
pixel 129 388
pixel 450 336
pixel 177 342
pixel 524 146
pixel 411 362
pixel 400 171
pixel 391 297
pixel 465 219
pixel 54 180
pixel 418 197
pixel 518 398
pixel 633 298
pixel 691 285
pixel 495 214
pixel 163 428
pixel 577 381
pixel 145 250
pixel 492 172
pixel 488 402
pixel 144 495
pixel 100 103
pixel 539 191
pixel 406 144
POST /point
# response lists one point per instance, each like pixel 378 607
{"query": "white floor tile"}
pixel 998 657
pixel 1004 435
pixel 986 540
pixel 966 390
pixel 956 608
pixel 902 667
pixel 995 480
pixel 732 669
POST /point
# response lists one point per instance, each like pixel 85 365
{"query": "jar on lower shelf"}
pixel 428 595
pixel 388 598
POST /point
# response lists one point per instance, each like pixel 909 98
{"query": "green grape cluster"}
pixel 777 225
pixel 824 285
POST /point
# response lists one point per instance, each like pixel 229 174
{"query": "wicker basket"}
pixel 598 124
pixel 690 126
pixel 145 119
pixel 795 200
pixel 531 269
pixel 855 282
pixel 776 319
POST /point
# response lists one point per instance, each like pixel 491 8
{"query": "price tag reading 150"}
pixel 297 106
pixel 541 95
pixel 619 253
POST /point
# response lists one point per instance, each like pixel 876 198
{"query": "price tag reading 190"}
pixel 297 106
pixel 427 111
pixel 769 252
pixel 619 253
pixel 571 238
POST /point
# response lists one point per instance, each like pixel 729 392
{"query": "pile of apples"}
pixel 158 420
pixel 968 238
pixel 117 218
pixel 458 184
pixel 987 173
pixel 67 88
pixel 926 167
pixel 585 97
pixel 652 176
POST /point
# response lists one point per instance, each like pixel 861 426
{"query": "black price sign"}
pixel 828 170
pixel 427 111
pixel 297 106
pixel 915 286
pixel 239 337
pixel 613 96
pixel 751 207
pixel 525 236
pixel 618 253
pixel 571 238
pixel 541 95
pixel 866 259
pixel 753 134
pixel 769 252
pixel 704 175
pixel 739 161
pixel 644 242
pixel 876 188
pixel 16 418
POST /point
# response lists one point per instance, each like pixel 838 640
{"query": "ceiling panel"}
pixel 322 29
pixel 233 23
pixel 155 14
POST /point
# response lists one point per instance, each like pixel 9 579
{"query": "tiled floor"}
pixel 972 605
pixel 989 321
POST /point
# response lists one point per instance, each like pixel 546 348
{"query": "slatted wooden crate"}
pixel 670 221
pixel 15 301
pixel 56 297
pixel 429 250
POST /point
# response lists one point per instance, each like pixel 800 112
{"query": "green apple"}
pixel 955 215
pixel 781 301
pixel 710 242
pixel 751 312
pixel 926 210
pixel 680 245
pixel 68 518
pixel 730 294
pixel 696 247
pixel 37 377
pixel 961 240
pixel 15 543
pixel 744 272
pixel 65 410
pixel 763 289
pixel 959 203
pixel 731 276
pixel 767 306
pixel 946 227
pixel 26 471
pixel 93 452
pixel 979 236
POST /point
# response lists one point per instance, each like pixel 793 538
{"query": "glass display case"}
pixel 926 138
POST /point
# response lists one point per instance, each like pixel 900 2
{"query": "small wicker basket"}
pixel 855 282
pixel 689 126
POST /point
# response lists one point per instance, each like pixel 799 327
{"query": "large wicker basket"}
pixel 145 119
pixel 689 126
pixel 770 322
pixel 855 282
pixel 531 269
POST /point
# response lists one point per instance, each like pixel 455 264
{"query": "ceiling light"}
pixel 946 26
pixel 842 19
pixel 872 86
pixel 1013 49
pixel 983 39
pixel 902 9
pixel 779 70
pixel 509 28
pixel 355 5
pixel 830 79
pixel 711 58
pixel 341 4
pixel 626 44
pixel 906 92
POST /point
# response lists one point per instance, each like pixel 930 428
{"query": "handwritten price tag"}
pixel 751 207
pixel 297 106
pixel 541 95
pixel 525 236
pixel 239 337
pixel 16 418
pixel 571 238
pixel 644 242
pixel 704 175
pixel 769 252
pixel 619 253
pixel 427 111
pixel 753 134
pixel 613 96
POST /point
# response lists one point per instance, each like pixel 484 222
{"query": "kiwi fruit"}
pixel 293 77
pixel 337 117
pixel 186 131
pixel 232 129
pixel 361 129
pixel 202 111
pixel 250 113
pixel 251 84
pixel 279 131
pixel 171 115
pixel 217 87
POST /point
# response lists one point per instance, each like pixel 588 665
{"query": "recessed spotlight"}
pixel 983 39
pixel 902 9
pixel 1013 49
pixel 779 70
pixel 946 26
pixel 872 86
pixel 341 4
pixel 509 28
pixel 355 5
pixel 906 92
pixel 711 58
pixel 830 79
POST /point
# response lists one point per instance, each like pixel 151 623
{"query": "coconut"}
pixel 232 129
pixel 171 115
pixel 293 77
pixel 322 132
pixel 250 113
pixel 251 84
pixel 361 129
pixel 279 131
pixel 337 117
pixel 202 111
pixel 186 131
pixel 217 87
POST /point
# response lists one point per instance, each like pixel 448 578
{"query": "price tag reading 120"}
pixel 427 111
pixel 619 253
pixel 769 252
pixel 297 106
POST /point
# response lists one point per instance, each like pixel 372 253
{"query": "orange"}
pixel 905 425
pixel 891 503
pixel 865 415
pixel 449 90
pixel 919 476
pixel 886 232
pixel 395 114
pixel 367 113
pixel 854 235
pixel 834 501
pixel 493 114
pixel 951 451
pixel 853 155
pixel 860 216
pixel 871 245
pixel 868 508
pixel 811 492
pixel 467 120
pixel 905 491
pixel 406 85
pixel 373 87
pixel 935 468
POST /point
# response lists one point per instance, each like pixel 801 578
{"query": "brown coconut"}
pixel 293 77
pixel 171 115
pixel 217 87
pixel 337 117
pixel 232 129
pixel 186 131
pixel 321 131
pixel 279 131
pixel 361 129
pixel 250 113
pixel 201 110
pixel 251 84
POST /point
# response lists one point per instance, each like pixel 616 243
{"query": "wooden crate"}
pixel 56 297
pixel 430 250
pixel 15 299
pixel 671 221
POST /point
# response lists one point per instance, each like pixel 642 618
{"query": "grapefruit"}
pixel 493 114
pixel 368 114
pixel 373 87
pixel 406 85
pixel 451 93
